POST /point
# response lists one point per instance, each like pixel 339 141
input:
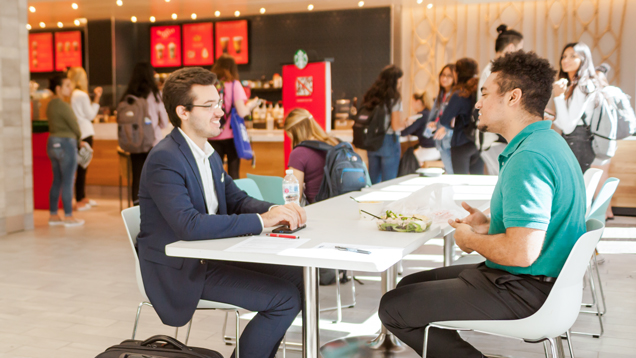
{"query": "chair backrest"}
pixel 603 200
pixel 250 187
pixel 271 188
pixel 132 219
pixel 591 177
pixel 562 306
pixel 124 164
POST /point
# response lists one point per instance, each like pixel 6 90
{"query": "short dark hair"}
pixel 177 91
pixel 56 81
pixel 506 37
pixel 528 72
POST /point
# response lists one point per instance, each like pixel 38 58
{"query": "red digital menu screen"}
pixel 41 52
pixel 165 46
pixel 231 38
pixel 197 44
pixel 68 50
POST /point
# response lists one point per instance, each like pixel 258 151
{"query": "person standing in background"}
pixel 385 91
pixel 143 85
pixel 233 95
pixel 426 151
pixel 64 134
pixel 85 110
pixel 443 136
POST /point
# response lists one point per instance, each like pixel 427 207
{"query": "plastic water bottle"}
pixel 290 188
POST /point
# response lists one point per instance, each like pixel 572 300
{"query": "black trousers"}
pixel 467 159
pixel 137 161
pixel 580 141
pixel 225 147
pixel 80 179
pixel 274 291
pixel 464 292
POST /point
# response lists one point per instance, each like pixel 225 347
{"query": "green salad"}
pixel 403 223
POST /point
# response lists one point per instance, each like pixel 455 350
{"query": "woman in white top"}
pixel 575 100
pixel 85 110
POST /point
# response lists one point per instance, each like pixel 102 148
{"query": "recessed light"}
pixel 76 22
pixel 237 13
pixel 167 0
pixel 32 8
pixel 429 6
pixel 420 1
pixel 310 7
pixel 193 16
pixel 60 25
pixel 217 13
pixel 120 3
pixel 262 10
pixel 133 19
pixel 361 4
pixel 42 25
pixel 74 6
pixel 28 27
pixel 152 19
pixel 174 16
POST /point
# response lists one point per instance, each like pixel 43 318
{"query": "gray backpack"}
pixel 612 120
pixel 134 127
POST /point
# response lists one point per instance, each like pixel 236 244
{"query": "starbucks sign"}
pixel 301 59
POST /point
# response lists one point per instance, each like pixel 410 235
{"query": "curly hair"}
pixel 528 72
pixel 384 89
pixel 467 77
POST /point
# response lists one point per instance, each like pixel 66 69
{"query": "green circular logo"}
pixel 300 59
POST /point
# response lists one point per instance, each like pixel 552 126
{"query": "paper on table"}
pixel 327 250
pixel 266 245
pixel 382 196
pixel 403 188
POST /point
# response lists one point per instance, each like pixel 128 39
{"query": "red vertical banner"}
pixel 309 88
pixel 198 44
pixel 68 50
pixel 231 38
pixel 165 46
pixel 41 52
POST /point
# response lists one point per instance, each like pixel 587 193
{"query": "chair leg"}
pixel 188 333
pixel 121 206
pixel 338 298
pixel 425 341
pixel 569 338
pixel 546 349
pixel 137 317
pixel 176 333
pixel 553 348
pixel 589 274
pixel 600 284
pixel 284 346
pixel 225 338
pixel 353 291
pixel 238 333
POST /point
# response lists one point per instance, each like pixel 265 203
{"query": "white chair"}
pixel 132 220
pixel 591 177
pixel 558 313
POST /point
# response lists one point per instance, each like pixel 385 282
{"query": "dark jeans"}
pixel 226 147
pixel 464 292
pixel 385 162
pixel 467 159
pixel 137 161
pixel 63 155
pixel 80 180
pixel 274 291
pixel 580 141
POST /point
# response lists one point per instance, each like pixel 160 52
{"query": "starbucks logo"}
pixel 300 59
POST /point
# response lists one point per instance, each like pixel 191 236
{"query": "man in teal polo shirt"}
pixel 537 215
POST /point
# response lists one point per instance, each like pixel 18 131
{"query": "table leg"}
pixel 449 248
pixel 311 316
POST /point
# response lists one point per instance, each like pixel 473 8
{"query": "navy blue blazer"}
pixel 173 208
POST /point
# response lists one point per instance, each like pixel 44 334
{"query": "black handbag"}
pixel 159 346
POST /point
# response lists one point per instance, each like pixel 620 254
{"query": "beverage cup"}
pixel 238 44
pixel 172 50
pixel 160 48
pixel 225 42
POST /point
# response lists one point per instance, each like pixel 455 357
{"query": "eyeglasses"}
pixel 210 107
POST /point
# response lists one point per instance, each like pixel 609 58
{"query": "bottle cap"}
pixel 289 171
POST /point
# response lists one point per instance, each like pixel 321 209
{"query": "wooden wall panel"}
pixel 623 167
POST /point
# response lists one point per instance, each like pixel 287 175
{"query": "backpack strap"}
pixel 315 144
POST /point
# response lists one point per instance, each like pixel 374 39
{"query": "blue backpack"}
pixel 344 169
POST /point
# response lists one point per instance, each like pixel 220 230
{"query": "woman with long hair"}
pixel 307 163
pixel 233 95
pixel 458 116
pixel 575 100
pixel 443 135
pixel 385 91
pixel 85 110
pixel 421 103
pixel 143 85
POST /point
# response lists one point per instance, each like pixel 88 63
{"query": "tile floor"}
pixel 71 292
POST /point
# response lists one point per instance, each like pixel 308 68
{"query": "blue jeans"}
pixel 385 162
pixel 63 155
pixel 444 146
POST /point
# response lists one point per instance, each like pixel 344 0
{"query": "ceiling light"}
pixel 74 6
pixel 262 10
pixel 237 13
pixel 361 4
pixel 133 19
pixel 60 25
pixel 32 8
pixel 152 19
pixel 217 13
pixel 429 6
pixel 76 22
pixel 310 7
pixel 174 16
pixel 420 1
pixel 28 27
pixel 193 16
pixel 42 25
pixel 120 3
pixel 167 0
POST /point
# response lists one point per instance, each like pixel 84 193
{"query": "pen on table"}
pixel 284 236
pixel 342 248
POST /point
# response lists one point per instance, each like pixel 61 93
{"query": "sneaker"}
pixel 73 222
pixel 92 202
pixel 83 207
pixel 56 222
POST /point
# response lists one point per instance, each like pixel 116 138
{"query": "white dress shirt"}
pixel 85 111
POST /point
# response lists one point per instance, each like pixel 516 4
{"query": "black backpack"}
pixel 369 128
pixel 408 163
pixel 159 346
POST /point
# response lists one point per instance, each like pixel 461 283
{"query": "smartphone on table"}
pixel 284 229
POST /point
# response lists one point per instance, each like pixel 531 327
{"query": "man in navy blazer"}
pixel 185 194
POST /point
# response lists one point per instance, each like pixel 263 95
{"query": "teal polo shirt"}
pixel 540 187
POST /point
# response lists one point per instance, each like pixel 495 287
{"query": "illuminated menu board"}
pixel 165 46
pixel 197 44
pixel 231 38
pixel 68 50
pixel 41 52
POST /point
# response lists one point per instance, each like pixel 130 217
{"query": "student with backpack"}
pixel 141 116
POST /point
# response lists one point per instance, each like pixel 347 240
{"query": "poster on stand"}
pixel 231 38
pixel 41 52
pixel 68 50
pixel 198 44
pixel 308 88
pixel 165 46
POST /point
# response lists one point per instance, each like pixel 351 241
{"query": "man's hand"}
pixel 462 234
pixel 289 214
pixel 479 222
